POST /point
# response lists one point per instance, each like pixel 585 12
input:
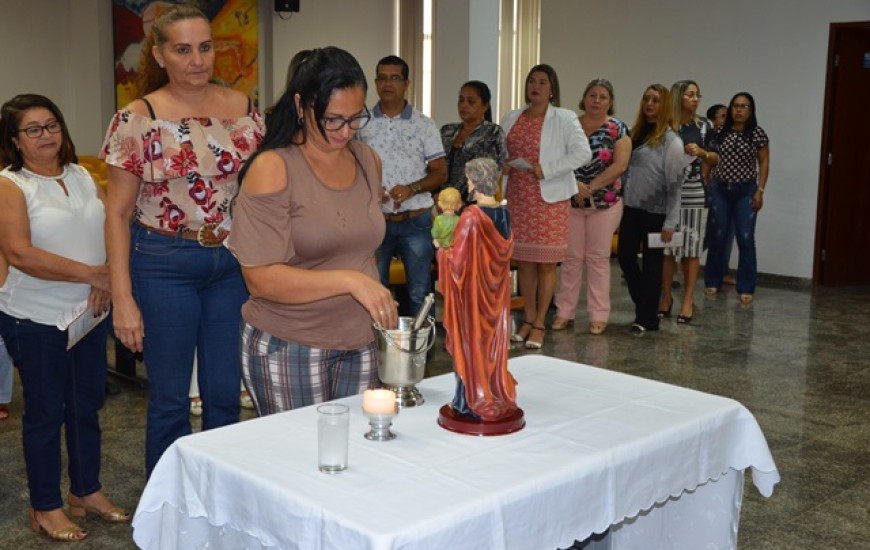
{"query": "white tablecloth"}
pixel 599 449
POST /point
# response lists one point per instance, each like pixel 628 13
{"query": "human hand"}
pixel 129 328
pixel 757 201
pixel 99 277
pixel 99 300
pixel 435 243
pixel 401 193
pixel 694 150
pixel 667 235
pixel 376 298
pixel 584 191
pixel 537 171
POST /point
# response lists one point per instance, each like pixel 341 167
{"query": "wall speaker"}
pixel 286 5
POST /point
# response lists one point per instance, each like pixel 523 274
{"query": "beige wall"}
pixel 775 50
pixel 63 50
pixel 364 28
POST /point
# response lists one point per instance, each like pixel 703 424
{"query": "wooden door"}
pixel 842 255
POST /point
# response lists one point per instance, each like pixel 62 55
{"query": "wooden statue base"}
pixel 449 420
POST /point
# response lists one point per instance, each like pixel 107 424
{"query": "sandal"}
pixel 711 291
pixel 662 313
pixel 746 298
pixel 683 319
pixel 597 327
pixel 536 344
pixel 70 533
pixel 518 336
pixel 561 324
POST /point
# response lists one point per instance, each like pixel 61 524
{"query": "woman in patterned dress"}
pixel 545 144
pixel 595 211
pixel 737 193
pixel 697 135
pixel 174 157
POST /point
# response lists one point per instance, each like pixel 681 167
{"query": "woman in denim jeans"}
pixel 737 193
pixel 174 157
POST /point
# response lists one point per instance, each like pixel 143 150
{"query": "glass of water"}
pixel 333 422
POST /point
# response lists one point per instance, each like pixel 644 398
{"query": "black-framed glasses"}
pixel 35 132
pixel 336 123
pixel 394 78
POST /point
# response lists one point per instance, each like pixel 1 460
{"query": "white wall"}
pixel 775 50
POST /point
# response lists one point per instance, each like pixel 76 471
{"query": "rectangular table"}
pixel 660 465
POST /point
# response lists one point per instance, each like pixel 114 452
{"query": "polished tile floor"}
pixel 797 358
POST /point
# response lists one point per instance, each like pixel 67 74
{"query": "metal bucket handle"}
pixel 392 342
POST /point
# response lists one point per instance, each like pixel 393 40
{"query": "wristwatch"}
pixel 415 187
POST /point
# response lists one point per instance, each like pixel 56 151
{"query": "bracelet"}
pixel 761 190
pixel 415 187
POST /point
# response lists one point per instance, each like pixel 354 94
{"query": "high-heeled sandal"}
pixel 519 338
pixel 662 313
pixel 561 324
pixel 536 344
pixel 115 514
pixel 70 533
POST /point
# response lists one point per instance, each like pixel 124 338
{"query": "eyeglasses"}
pixel 741 105
pixel 693 96
pixel 394 78
pixel 336 123
pixel 35 132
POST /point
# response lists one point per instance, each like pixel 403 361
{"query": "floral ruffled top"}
pixel 188 168
pixel 602 142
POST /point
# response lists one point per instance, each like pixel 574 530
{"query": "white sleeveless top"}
pixel 69 226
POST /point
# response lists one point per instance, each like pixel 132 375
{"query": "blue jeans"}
pixel 411 241
pixel 5 374
pixel 191 299
pixel 732 203
pixel 61 388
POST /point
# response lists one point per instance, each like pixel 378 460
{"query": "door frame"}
pixel 827 129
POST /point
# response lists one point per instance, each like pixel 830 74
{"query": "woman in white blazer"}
pixel 545 144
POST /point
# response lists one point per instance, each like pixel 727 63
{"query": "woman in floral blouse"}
pixel 174 156
pixel 595 211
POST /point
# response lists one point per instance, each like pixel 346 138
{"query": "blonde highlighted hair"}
pixel 151 76
pixel 664 121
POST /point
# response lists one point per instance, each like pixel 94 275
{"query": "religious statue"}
pixel 474 277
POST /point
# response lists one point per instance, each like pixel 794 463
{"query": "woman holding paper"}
pixel 545 144
pixel 51 233
pixel 652 202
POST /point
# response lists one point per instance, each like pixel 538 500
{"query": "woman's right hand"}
pixel 129 329
pixel 377 300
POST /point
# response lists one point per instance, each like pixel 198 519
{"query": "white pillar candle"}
pixel 379 401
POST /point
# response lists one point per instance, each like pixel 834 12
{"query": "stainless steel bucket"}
pixel 402 354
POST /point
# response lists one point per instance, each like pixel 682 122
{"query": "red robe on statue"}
pixel 474 277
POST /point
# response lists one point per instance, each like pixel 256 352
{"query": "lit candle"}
pixel 379 401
